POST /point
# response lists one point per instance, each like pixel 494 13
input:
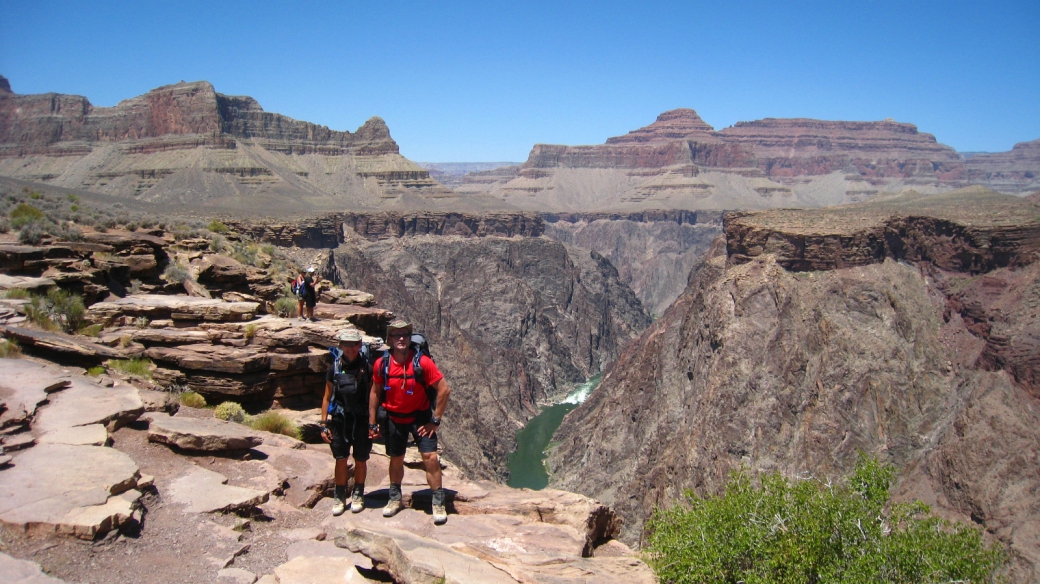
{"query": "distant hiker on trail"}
pixel 344 412
pixel 310 295
pixel 400 381
pixel 297 288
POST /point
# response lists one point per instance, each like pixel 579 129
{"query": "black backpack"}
pixel 349 392
pixel 421 346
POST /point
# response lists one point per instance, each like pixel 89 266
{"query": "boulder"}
pixel 307 570
pixel 84 404
pixel 411 559
pixel 235 576
pixel 78 348
pixel 363 317
pixel 205 434
pixel 341 296
pixel 24 282
pixel 204 491
pixel 17 571
pixel 196 290
pixel 84 491
pixel 220 270
pixel 14 257
pixel 175 307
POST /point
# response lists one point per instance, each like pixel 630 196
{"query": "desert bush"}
pixel 32 233
pixel 91 330
pixel 230 412
pixel 250 331
pixel 57 310
pixel 132 226
pixel 5 225
pixel 72 233
pixel 72 198
pixel 16 293
pixel 141 322
pixel 274 422
pixel 9 349
pixel 286 307
pixel 175 273
pixel 218 244
pixel 134 367
pixel 35 196
pixel 810 531
pixel 217 227
pixel 135 286
pixel 25 213
pixel 96 371
pixel 192 400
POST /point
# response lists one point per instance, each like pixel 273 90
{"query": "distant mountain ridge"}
pixel 187 144
pixel 679 161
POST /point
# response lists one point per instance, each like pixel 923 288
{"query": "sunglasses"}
pixel 393 335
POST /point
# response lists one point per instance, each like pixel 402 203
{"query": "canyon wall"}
pixel 929 365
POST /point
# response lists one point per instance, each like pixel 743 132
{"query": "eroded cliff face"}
pixel 931 368
pixel 511 321
pixel 186 144
pixel 653 251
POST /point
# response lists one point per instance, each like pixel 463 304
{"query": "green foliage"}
pixel 286 307
pixel 24 214
pixel 809 531
pixel 32 232
pixel 96 371
pixel 231 412
pixel 134 367
pixel 9 349
pixel 250 331
pixel 35 196
pixel 57 310
pixel 141 322
pixel 175 273
pixel 275 422
pixel 92 330
pixel 192 400
pixel 72 198
pixel 217 227
pixel 16 293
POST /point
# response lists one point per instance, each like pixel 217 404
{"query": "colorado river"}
pixel 527 464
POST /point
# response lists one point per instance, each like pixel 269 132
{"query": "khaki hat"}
pixel 350 336
pixel 398 324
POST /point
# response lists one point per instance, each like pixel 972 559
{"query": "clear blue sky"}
pixel 484 81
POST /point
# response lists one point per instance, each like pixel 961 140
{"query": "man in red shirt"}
pixel 409 413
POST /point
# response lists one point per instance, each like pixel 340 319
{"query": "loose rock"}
pixel 209 435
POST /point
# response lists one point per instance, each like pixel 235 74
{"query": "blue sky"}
pixel 484 81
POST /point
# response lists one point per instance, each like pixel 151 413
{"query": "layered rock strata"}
pixel 929 365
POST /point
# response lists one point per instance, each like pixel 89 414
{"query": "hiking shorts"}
pixel 347 432
pixel 397 435
pixel 310 300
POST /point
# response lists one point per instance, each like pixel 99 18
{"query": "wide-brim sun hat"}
pixel 397 325
pixel 349 335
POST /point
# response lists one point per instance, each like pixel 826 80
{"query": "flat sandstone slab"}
pixel 85 403
pixel 15 571
pixel 205 491
pixel 71 490
pixel 24 385
pixel 90 435
pixel 210 435
pixel 176 307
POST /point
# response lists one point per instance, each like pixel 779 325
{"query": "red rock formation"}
pixel 671 125
pixel 1014 171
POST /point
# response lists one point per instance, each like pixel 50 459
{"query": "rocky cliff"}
pixel 512 321
pixel 185 144
pixel 925 359
pixel 679 161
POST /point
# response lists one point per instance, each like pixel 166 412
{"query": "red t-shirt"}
pixel 405 395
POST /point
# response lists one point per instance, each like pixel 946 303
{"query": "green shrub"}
pixel 141 322
pixel 32 233
pixel 17 293
pixel 24 214
pixel 5 225
pixel 135 287
pixel 175 273
pixel 250 331
pixel 96 371
pixel 57 310
pixel 286 307
pixel 217 227
pixel 192 400
pixel 92 330
pixel 809 531
pixel 133 367
pixel 9 348
pixel 274 422
pixel 35 196
pixel 72 198
pixel 230 412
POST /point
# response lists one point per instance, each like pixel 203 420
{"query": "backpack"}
pixel 297 288
pixel 349 395
pixel 421 346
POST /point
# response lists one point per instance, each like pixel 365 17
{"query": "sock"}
pixel 438 496
pixel 341 492
pixel 395 492
pixel 359 488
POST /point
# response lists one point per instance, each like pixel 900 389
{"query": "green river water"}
pixel 527 464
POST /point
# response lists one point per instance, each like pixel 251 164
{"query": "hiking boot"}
pixel 339 508
pixel 440 515
pixel 392 507
pixel 357 502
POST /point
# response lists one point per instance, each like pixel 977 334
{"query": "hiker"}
pixel 310 295
pixel 347 388
pixel 297 288
pixel 403 395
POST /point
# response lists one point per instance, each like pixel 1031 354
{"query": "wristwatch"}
pixel 373 427
pixel 435 420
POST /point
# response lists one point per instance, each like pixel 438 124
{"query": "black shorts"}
pixel 310 300
pixel 397 435
pixel 347 432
